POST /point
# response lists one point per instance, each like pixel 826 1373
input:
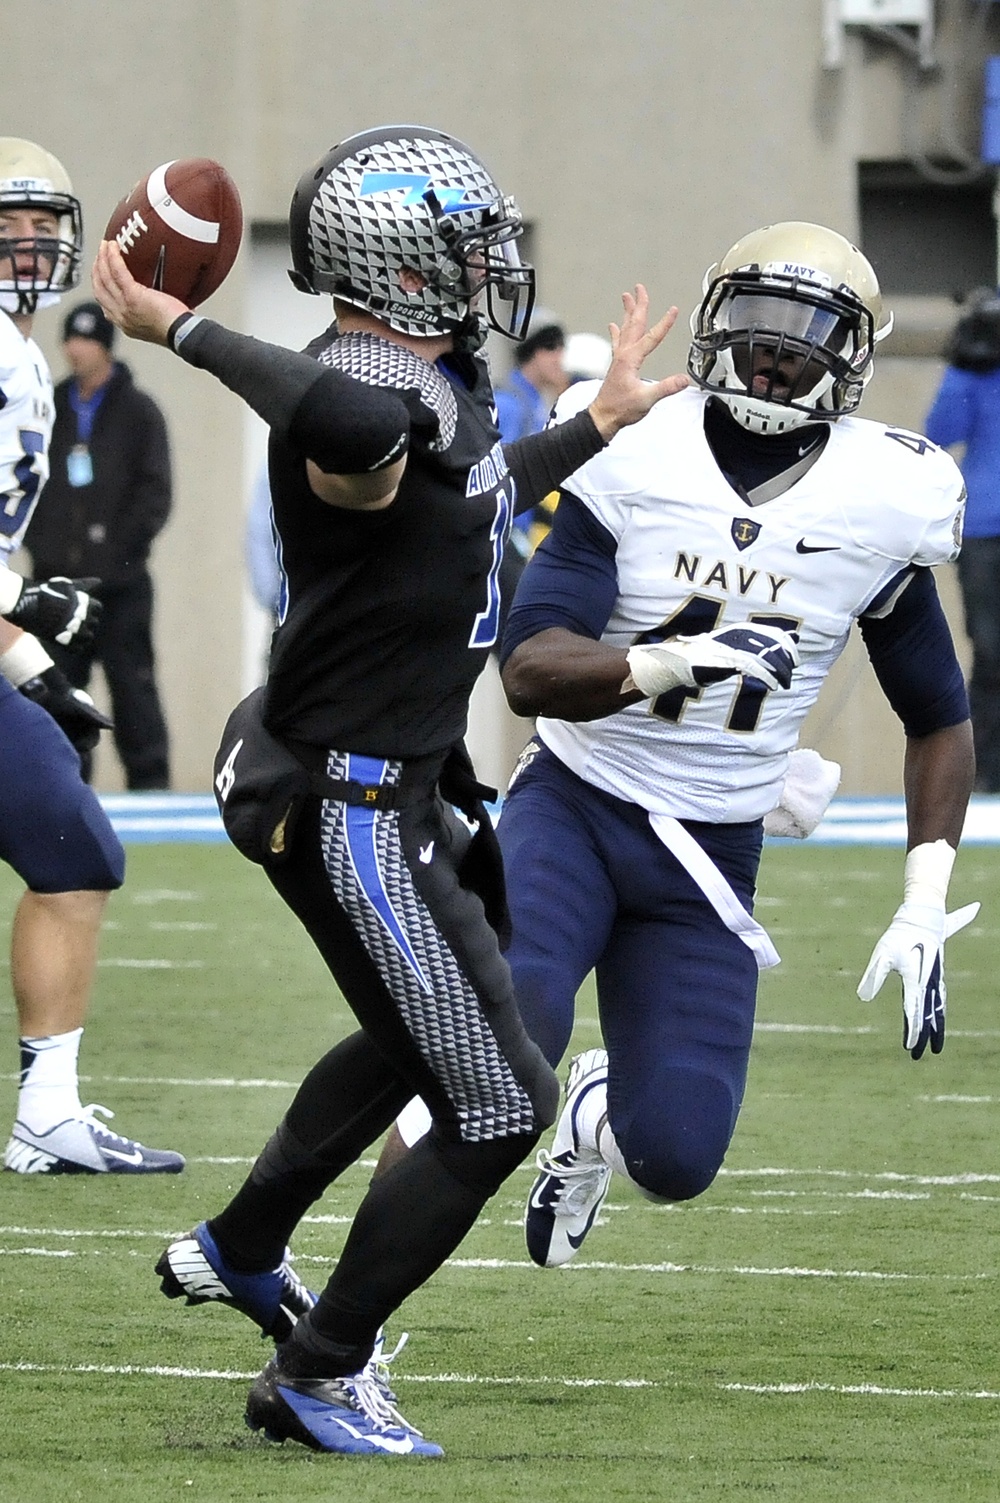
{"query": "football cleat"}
pixel 348 1415
pixel 574 1179
pixel 84 1145
pixel 193 1267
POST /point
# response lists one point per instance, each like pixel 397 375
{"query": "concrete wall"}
pixel 640 138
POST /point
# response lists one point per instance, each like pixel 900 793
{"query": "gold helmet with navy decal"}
pixel 787 327
pixel 36 270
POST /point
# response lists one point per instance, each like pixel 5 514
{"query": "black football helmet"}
pixel 407 196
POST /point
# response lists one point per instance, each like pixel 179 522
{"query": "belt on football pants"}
pixel 702 870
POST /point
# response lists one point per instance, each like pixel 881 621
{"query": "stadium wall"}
pixel 641 139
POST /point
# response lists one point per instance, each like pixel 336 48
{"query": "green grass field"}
pixel 820 1326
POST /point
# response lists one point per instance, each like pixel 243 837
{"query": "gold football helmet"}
pixel 787 328
pixel 37 270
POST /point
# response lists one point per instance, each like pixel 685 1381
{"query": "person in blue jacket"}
pixel 966 411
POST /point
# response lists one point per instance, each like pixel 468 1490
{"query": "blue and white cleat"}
pixel 350 1416
pixel 574 1180
pixel 84 1145
pixel 194 1267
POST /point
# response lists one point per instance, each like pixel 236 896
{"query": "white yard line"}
pixel 849 1390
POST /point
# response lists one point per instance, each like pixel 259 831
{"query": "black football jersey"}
pixel 389 615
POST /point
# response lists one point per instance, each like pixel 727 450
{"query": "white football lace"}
pixel 377 1366
pixel 581 1181
pixel 371 1400
pixel 87 1113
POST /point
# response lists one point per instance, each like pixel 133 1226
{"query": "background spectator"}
pixel 966 411
pixel 586 357
pixel 107 498
pixel 524 401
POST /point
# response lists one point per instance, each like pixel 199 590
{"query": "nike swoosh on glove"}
pixel 59 609
pixel 73 710
pixel 913 945
pixel 765 653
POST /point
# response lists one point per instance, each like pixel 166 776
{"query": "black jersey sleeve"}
pixel 542 461
pixel 570 581
pixel 913 655
pixel 344 425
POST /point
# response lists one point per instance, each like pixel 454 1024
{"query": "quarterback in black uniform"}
pixel 393 498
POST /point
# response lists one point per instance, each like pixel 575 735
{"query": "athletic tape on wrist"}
pixel 26 659
pixel 11 589
pixel 927 873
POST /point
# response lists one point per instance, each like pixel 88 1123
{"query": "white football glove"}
pixel 913 946
pixel 765 653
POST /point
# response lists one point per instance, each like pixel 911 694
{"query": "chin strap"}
pixel 470 335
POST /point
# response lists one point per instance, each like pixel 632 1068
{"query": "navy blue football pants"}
pixel 53 831
pixel 591 887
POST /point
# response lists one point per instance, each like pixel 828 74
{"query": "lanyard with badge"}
pixel 79 465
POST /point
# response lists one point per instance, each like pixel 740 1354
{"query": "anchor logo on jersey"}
pixel 744 532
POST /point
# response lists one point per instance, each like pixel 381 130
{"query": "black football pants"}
pixel 411 951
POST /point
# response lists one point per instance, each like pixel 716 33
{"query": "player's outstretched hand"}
pixel 140 312
pixel 765 653
pixel 913 946
pixel 624 396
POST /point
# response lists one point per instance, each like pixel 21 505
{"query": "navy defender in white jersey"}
pixel 758 515
pixel 393 499
pixel 53 831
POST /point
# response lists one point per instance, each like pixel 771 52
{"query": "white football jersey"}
pixel 692 556
pixel 26 413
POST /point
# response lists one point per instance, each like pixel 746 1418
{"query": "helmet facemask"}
pixel 489 267
pixel 781 351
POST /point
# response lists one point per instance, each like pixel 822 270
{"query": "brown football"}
pixel 180 228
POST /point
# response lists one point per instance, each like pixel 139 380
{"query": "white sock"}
pixel 49 1090
pixel 609 1150
pixel 591 1114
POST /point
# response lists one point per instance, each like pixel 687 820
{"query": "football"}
pixel 180 228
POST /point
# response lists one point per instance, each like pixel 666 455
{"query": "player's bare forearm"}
pixel 569 677
pixel 938 774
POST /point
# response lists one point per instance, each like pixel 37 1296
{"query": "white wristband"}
pixel 927 873
pixel 26 659
pixel 11 585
